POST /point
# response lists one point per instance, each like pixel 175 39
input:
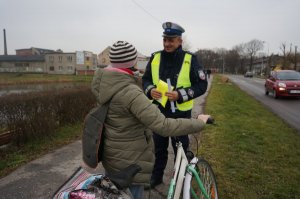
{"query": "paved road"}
pixel 286 108
pixel 42 177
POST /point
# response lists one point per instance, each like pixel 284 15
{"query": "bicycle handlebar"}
pixel 210 120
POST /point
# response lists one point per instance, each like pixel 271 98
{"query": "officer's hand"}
pixel 155 94
pixel 172 95
pixel 203 117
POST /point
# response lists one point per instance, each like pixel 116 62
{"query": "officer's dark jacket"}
pixel 170 66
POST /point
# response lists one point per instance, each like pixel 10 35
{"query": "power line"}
pixel 153 17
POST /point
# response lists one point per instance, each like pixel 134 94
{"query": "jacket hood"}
pixel 107 82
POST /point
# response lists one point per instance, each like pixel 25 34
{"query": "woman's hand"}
pixel 203 117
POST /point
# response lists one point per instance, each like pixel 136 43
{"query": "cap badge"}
pixel 168 24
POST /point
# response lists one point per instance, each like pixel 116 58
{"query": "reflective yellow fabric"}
pixel 155 68
pixel 185 82
pixel 182 81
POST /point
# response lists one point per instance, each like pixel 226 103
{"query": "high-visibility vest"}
pixel 183 77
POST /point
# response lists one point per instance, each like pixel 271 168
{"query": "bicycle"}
pixel 196 174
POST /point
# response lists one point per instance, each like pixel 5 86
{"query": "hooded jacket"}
pixel 129 123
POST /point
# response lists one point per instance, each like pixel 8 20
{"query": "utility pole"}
pixel 295 57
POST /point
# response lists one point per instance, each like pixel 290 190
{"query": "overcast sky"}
pixel 92 25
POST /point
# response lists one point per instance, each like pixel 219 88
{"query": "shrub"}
pixel 32 115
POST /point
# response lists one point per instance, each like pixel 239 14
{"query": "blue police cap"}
pixel 172 29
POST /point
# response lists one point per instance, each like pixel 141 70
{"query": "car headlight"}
pixel 281 84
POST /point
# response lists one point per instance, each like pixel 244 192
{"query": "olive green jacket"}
pixel 130 121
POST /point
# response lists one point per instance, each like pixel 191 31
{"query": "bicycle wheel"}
pixel 208 179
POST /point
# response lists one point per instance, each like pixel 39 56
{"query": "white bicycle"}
pixel 194 175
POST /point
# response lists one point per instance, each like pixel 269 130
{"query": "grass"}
pixel 253 153
pixel 21 78
pixel 12 158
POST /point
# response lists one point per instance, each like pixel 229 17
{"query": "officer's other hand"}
pixel 172 95
pixel 203 117
pixel 155 94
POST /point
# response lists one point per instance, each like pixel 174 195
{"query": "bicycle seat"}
pixel 122 179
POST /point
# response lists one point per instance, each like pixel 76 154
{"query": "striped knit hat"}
pixel 122 55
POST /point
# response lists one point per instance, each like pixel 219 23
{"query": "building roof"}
pixel 64 53
pixel 38 50
pixel 14 58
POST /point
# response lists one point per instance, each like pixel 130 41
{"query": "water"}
pixel 11 89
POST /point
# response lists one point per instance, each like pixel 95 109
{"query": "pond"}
pixel 11 89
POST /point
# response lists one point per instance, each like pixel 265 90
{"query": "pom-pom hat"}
pixel 122 55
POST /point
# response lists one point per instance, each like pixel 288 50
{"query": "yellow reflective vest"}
pixel 183 77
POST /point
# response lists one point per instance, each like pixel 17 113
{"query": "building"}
pixel 60 63
pixel 16 63
pixel 39 60
pixel 103 58
pixel 86 62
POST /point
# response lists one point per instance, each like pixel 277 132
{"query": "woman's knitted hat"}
pixel 122 55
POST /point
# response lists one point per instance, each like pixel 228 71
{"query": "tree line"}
pixel 242 57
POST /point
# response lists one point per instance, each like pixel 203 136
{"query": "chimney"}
pixel 5 47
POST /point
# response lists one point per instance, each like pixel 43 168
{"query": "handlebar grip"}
pixel 210 120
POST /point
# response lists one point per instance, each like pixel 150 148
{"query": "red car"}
pixel 283 83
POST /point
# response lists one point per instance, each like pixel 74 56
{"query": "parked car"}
pixel 283 83
pixel 248 74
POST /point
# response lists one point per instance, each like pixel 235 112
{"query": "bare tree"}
pixel 241 50
pixel 286 54
pixel 232 61
pixel 207 58
pixel 252 47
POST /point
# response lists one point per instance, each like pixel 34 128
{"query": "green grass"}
pixel 12 158
pixel 254 153
pixel 21 78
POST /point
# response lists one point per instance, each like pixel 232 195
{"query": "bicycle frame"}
pixel 183 171
pixel 179 170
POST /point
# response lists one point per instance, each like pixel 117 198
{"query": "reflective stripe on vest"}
pixel 182 81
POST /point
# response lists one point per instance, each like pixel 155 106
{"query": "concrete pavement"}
pixel 42 177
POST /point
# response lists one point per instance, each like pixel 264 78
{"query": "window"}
pixel 51 58
pixel 60 67
pixel 87 59
pixel 51 68
pixel 21 64
pixel 60 58
pixel 70 67
pixel 70 58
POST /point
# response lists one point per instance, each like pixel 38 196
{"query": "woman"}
pixel 132 117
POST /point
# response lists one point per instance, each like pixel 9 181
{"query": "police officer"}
pixel 187 78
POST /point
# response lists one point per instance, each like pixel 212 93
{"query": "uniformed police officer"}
pixel 189 82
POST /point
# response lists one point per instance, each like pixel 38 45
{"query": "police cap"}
pixel 172 29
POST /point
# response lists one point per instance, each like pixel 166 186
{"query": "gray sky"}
pixel 93 25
